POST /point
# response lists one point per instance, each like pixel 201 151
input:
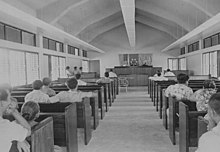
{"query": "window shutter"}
pixel 32 65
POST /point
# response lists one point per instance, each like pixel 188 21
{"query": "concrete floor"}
pixel 131 125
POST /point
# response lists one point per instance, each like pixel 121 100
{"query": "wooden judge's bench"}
pixel 136 75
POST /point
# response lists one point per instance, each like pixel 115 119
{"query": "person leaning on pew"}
pixel 17 130
pixel 202 96
pixel 73 95
pixel 46 89
pixel 181 89
pixel 210 141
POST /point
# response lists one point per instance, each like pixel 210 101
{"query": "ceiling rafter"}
pixel 128 11
pixel 56 10
pixel 100 22
pixel 155 25
pixel 103 29
pixel 100 18
pixel 163 14
pixel 199 7
pixel 67 10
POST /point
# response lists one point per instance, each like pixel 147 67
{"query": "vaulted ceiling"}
pixel 89 19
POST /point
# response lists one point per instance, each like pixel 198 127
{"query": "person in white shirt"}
pixel 112 74
pixel 46 89
pixel 37 95
pixel 105 79
pixel 10 131
pixel 158 77
pixel 69 72
pixel 75 70
pixel 73 95
pixel 169 73
pixel 210 141
pixel 80 82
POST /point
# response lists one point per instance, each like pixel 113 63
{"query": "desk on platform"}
pixel 136 75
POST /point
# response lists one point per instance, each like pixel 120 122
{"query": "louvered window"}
pixel 17 68
pixel 32 65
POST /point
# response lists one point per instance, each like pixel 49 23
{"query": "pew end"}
pixel 188 136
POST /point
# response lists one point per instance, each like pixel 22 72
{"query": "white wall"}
pixel 194 63
pixel 72 62
pixel 115 42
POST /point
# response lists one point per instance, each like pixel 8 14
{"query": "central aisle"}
pixel 131 125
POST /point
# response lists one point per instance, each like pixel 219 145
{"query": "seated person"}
pixel 73 95
pixel 11 131
pixel 30 111
pixel 112 74
pixel 209 141
pixel 158 74
pixel 180 90
pixel 37 95
pixel 46 89
pixel 202 96
pixel 159 77
pixel 169 73
pixel 80 82
pixel 106 79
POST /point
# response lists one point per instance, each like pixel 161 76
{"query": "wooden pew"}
pixel 94 88
pixel 159 86
pixel 202 126
pixel 188 127
pixel 98 102
pixel 41 138
pixel 173 103
pixel 65 123
pixel 105 95
pixel 78 117
pixel 174 115
pixel 164 109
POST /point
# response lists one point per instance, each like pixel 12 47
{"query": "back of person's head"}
pixel 75 68
pixel 106 74
pixel 111 70
pixel 182 78
pixel 72 83
pixel 30 110
pixel 80 68
pixel 158 74
pixel 4 93
pixel 37 84
pixel 46 81
pixel 209 84
pixel 78 76
pixel 168 70
pixel 67 67
pixel 214 103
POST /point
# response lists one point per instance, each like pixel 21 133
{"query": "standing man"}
pixel 75 70
pixel 69 72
